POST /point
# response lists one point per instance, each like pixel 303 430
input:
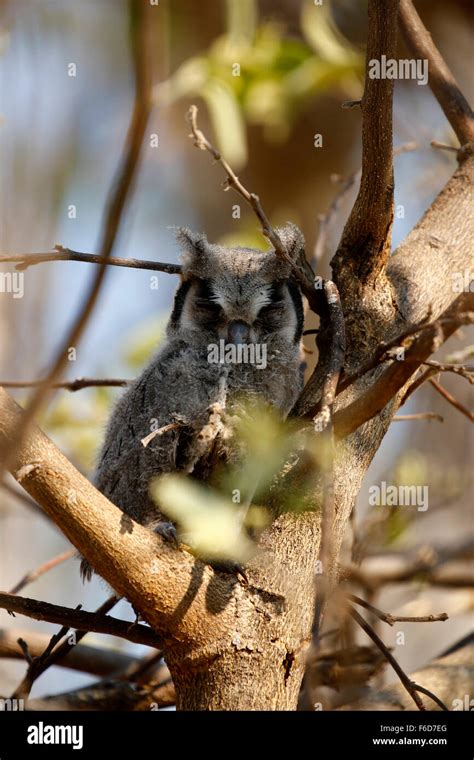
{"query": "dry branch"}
pixel 79 619
pixel 387 617
pixel 32 575
pixel 452 400
pixel 71 385
pixel 411 687
pixel 301 269
pixel 99 661
pixel 442 82
pixel 25 260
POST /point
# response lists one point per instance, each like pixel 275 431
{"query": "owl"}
pixel 233 336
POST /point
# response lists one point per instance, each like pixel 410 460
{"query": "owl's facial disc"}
pixel 240 310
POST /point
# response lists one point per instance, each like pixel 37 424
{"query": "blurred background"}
pixel 62 129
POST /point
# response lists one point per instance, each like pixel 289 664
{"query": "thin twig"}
pixel 72 385
pixel 32 575
pixel 301 268
pixel 409 685
pixel 387 617
pixel 79 619
pixel 420 380
pixel 457 369
pixel 99 661
pixel 201 141
pixel 25 499
pixel 441 80
pixel 327 219
pixel 52 656
pixel 60 253
pixel 451 400
pixel 315 401
pixel 418 416
pixel 323 422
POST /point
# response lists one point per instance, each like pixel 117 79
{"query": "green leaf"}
pixel 210 524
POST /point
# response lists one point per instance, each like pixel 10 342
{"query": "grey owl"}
pixel 227 296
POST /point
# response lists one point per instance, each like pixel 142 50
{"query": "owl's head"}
pixel 240 295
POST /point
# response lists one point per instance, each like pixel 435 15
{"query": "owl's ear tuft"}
pixel 292 239
pixel 194 250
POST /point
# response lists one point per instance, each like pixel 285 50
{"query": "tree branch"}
pixel 60 253
pixel 365 244
pixel 52 653
pixel 442 82
pixel 99 661
pixel 171 589
pixel 91 622
pixel 32 575
pixel 451 400
pixel 317 397
pixel 72 385
pixel 387 617
pixel 409 685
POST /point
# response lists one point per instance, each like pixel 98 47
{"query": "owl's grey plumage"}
pixel 234 295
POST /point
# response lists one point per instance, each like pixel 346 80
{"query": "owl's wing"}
pixel 155 427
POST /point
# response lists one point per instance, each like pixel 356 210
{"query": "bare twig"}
pixel 201 141
pixel 443 146
pixel 335 345
pixel 25 499
pixel 143 45
pixel 387 617
pixel 79 619
pixel 60 253
pixel 440 574
pixel 327 219
pixel 44 568
pixel 52 656
pixel 422 378
pixel 301 269
pixel 408 684
pixel 418 416
pixel 442 82
pixel 72 385
pixel 457 369
pixel 100 661
pixel 451 400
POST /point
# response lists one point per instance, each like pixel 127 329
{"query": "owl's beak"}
pixel 238 332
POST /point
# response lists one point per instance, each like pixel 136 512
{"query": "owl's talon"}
pixel 230 567
pixel 167 531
